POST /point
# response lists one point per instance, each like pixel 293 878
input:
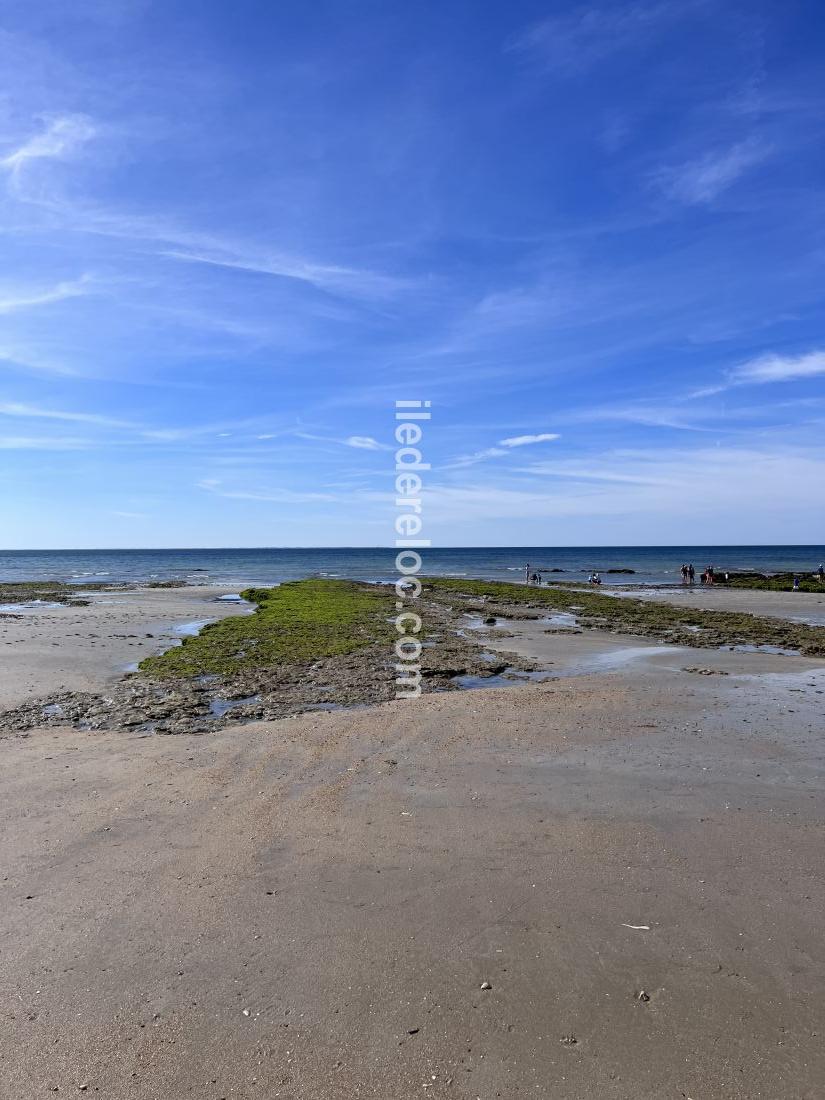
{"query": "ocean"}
pixel 238 567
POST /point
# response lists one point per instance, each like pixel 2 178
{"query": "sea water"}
pixel 263 566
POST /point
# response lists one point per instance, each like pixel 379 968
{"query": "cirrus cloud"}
pixel 700 181
pixel 525 440
pixel 364 443
pixel 780 368
pixel 59 138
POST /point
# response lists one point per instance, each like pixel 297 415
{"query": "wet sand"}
pixel 807 607
pixel 50 649
pixel 591 652
pixel 630 857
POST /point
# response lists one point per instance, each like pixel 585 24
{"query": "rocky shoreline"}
pixel 209 701
pixel 214 692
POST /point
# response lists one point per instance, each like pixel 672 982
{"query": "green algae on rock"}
pixel 626 615
pixel 774 582
pixel 296 622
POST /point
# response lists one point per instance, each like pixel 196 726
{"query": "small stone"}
pixel 246 1012
pixel 486 985
pixel 642 996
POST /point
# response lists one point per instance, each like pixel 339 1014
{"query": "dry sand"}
pixel 308 909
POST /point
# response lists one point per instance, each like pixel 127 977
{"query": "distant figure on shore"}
pixel 684 574
pixel 795 583
pixel 708 576
pixel 821 573
pixel 538 577
pixel 594 578
pixel 527 573
pixel 691 574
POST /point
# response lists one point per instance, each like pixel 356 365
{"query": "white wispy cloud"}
pixel 650 414
pixel 780 368
pixel 265 496
pixel 212 429
pixel 625 485
pixel 18 409
pixel 590 470
pixel 365 443
pixel 14 301
pixel 59 138
pixel 32 360
pixel 525 440
pixel 473 459
pixel 700 181
pixel 503 447
pixel 359 442
pixel 577 40
pixel 765 369
pixel 41 443
pixel 334 278
pixel 62 136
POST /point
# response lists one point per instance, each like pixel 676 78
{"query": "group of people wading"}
pixel 708 577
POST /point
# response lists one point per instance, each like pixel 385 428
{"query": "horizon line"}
pixel 390 548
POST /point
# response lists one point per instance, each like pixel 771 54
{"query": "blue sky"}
pixel 233 234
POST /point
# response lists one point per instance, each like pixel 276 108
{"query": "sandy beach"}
pixel 607 884
pixel 56 648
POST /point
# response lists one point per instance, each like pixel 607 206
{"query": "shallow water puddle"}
pixel 470 683
pixel 219 707
pixel 776 650
pixel 600 662
pixel 30 605
pixel 560 618
pixel 511 677
pixel 615 658
pixel 191 630
pixel 474 622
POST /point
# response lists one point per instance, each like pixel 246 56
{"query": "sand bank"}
pixel 49 649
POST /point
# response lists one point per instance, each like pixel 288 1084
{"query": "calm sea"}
pixel 651 564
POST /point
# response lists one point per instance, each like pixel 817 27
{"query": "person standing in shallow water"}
pixel 691 574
